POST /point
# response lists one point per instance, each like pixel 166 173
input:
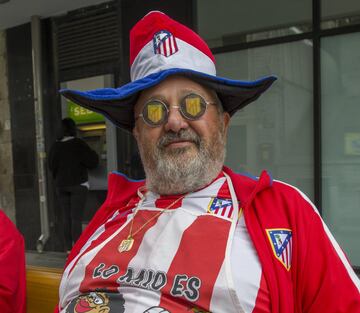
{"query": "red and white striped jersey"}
pixel 195 256
pixel 304 268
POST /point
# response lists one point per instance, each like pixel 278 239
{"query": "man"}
pixel 196 237
pixel 12 268
pixel 69 160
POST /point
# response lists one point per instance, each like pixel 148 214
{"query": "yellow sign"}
pixel 83 116
pixel 352 144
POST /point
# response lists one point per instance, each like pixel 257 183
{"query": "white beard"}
pixel 182 170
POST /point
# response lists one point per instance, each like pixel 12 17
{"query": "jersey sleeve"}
pixel 12 267
pixel 326 280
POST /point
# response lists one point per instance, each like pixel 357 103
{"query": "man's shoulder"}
pixel 247 185
pixel 121 187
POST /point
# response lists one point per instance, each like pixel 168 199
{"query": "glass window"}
pixel 339 13
pixel 226 22
pixel 340 92
pixel 275 132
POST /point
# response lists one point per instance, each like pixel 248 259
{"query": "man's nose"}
pixel 175 121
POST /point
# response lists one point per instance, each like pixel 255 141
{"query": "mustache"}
pixel 184 134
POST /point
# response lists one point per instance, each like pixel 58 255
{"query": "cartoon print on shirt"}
pixel 156 309
pixel 197 310
pixel 97 302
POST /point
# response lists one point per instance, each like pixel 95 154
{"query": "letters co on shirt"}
pixel 182 286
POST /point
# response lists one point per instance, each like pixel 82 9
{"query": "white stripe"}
pixel 163 48
pixel 156 252
pixel 197 202
pixel 246 267
pixel 229 248
pixel 167 46
pixel 71 285
pixel 187 56
pixel 172 42
pixel 336 246
pixel 220 299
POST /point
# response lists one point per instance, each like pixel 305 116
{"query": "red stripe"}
pixel 175 45
pixel 200 254
pixel 224 192
pixel 167 202
pixel 231 210
pixel 109 254
pixel 171 40
pixel 262 303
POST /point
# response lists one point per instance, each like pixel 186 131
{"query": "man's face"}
pixel 95 302
pixel 180 150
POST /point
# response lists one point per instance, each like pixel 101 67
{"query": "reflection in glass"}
pixel 340 72
pixel 275 132
pixel 230 22
pixel 336 13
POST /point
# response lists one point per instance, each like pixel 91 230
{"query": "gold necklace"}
pixel 126 244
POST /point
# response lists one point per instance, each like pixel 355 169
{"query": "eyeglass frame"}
pixel 167 107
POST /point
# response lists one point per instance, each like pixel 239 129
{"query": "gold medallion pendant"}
pixel 126 244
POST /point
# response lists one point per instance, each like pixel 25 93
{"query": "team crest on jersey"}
pixel 281 244
pixel 221 207
pixel 164 43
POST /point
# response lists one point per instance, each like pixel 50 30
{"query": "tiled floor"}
pixel 46 259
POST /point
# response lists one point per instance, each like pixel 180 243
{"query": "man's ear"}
pixel 135 132
pixel 226 119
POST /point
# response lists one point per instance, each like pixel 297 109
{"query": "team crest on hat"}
pixel 221 207
pixel 281 244
pixel 165 43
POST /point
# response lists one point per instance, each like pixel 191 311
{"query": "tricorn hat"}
pixel 161 47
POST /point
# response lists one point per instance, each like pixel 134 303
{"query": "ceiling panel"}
pixel 17 12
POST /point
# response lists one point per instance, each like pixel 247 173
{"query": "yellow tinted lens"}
pixel 193 106
pixel 154 112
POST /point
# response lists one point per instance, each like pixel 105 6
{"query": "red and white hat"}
pixel 159 43
pixel 160 47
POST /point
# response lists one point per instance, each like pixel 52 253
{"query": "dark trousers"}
pixel 72 200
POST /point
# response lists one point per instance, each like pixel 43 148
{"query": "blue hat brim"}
pixel 117 104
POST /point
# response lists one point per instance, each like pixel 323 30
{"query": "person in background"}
pixel 12 268
pixel 69 161
pixel 195 236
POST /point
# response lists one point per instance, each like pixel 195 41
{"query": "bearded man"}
pixel 195 236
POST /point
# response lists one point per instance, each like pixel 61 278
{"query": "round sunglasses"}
pixel 156 112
